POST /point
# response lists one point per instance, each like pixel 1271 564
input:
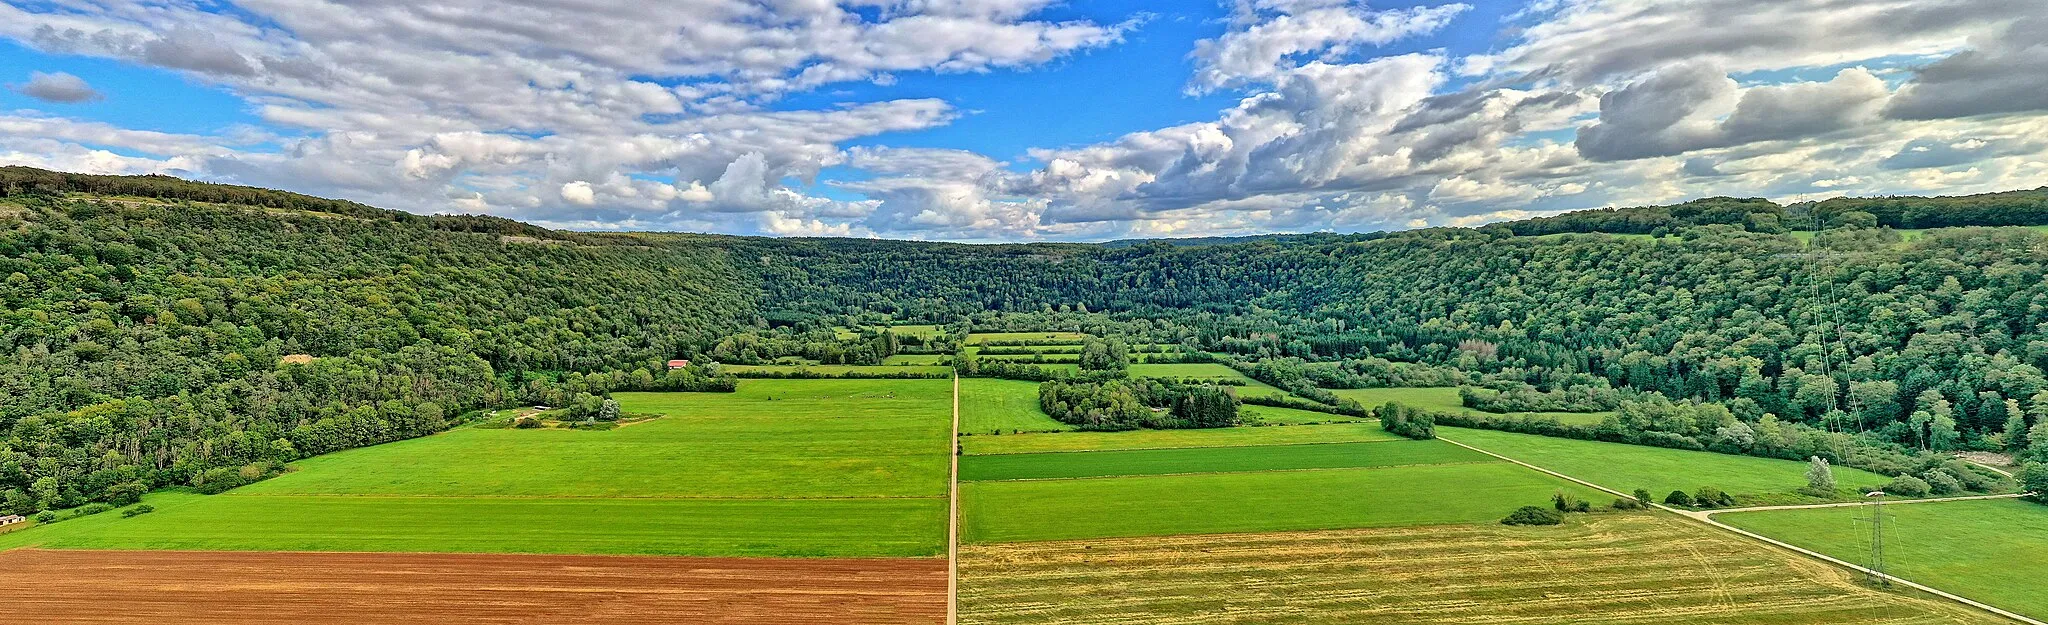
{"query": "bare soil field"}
pixel 175 587
pixel 1606 569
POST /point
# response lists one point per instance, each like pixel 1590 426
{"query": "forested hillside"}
pixel 162 332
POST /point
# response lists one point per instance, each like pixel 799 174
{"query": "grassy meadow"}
pixel 781 467
pixel 979 338
pixel 1212 460
pixel 1994 551
pixel 1445 399
pixel 989 405
pixel 1209 503
pixel 884 369
pixel 1165 439
pixel 1604 569
pixel 1753 481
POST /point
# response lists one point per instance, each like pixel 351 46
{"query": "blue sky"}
pixel 996 120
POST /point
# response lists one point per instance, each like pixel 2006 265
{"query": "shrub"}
pixel 46 516
pixel 90 509
pixel 1678 498
pixel 1710 497
pixel 137 511
pixel 126 493
pixel 1907 486
pixel 1643 498
pixel 1624 503
pixel 1941 482
pixel 1532 515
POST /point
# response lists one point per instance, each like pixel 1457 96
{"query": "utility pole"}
pixel 1877 540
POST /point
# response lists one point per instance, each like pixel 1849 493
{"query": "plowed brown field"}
pixel 172 587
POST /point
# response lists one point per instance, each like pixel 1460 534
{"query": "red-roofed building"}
pixel 678 364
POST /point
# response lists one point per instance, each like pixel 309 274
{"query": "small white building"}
pixel 11 519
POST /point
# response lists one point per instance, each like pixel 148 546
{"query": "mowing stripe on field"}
pixel 1708 519
pixel 1065 465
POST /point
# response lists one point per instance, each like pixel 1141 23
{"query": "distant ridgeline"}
pixel 2011 208
pixel 160 332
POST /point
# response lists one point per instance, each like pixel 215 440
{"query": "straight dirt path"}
pixel 953 513
pixel 1707 518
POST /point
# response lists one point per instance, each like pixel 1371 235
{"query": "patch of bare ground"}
pixel 174 587
pixel 1607 568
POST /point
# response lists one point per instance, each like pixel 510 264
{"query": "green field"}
pixel 1753 481
pixel 781 467
pixel 989 405
pixel 978 338
pixel 915 359
pixel 1167 439
pixel 1073 349
pixel 1445 399
pixel 1213 460
pixel 1251 502
pixel 1993 551
pixel 886 369
pixel 1208 370
pixel 1252 414
pixel 875 527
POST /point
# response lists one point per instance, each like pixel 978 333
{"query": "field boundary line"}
pixel 1244 472
pixel 1707 519
pixel 953 512
pixel 1845 504
pixel 1108 451
pixel 586 497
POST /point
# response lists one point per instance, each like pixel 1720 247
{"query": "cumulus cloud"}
pixel 58 87
pixel 680 115
pixel 1282 31
pixel 2001 73
pixel 1695 105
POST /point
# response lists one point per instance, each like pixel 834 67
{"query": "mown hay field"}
pixel 1608 568
pixel 1994 551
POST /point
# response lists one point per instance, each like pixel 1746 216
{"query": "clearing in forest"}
pixel 1994 551
pixel 1045 338
pixel 834 370
pixel 1607 568
pixel 1042 466
pixel 1445 399
pixel 235 588
pixel 817 468
pixel 1623 467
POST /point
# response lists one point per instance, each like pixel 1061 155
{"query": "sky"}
pixel 1033 120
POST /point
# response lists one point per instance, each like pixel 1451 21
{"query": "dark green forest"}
pixel 166 333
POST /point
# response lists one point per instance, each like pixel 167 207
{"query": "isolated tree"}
pixel 1820 478
pixel 2034 479
pixel 609 411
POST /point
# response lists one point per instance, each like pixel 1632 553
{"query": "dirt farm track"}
pixel 174 587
